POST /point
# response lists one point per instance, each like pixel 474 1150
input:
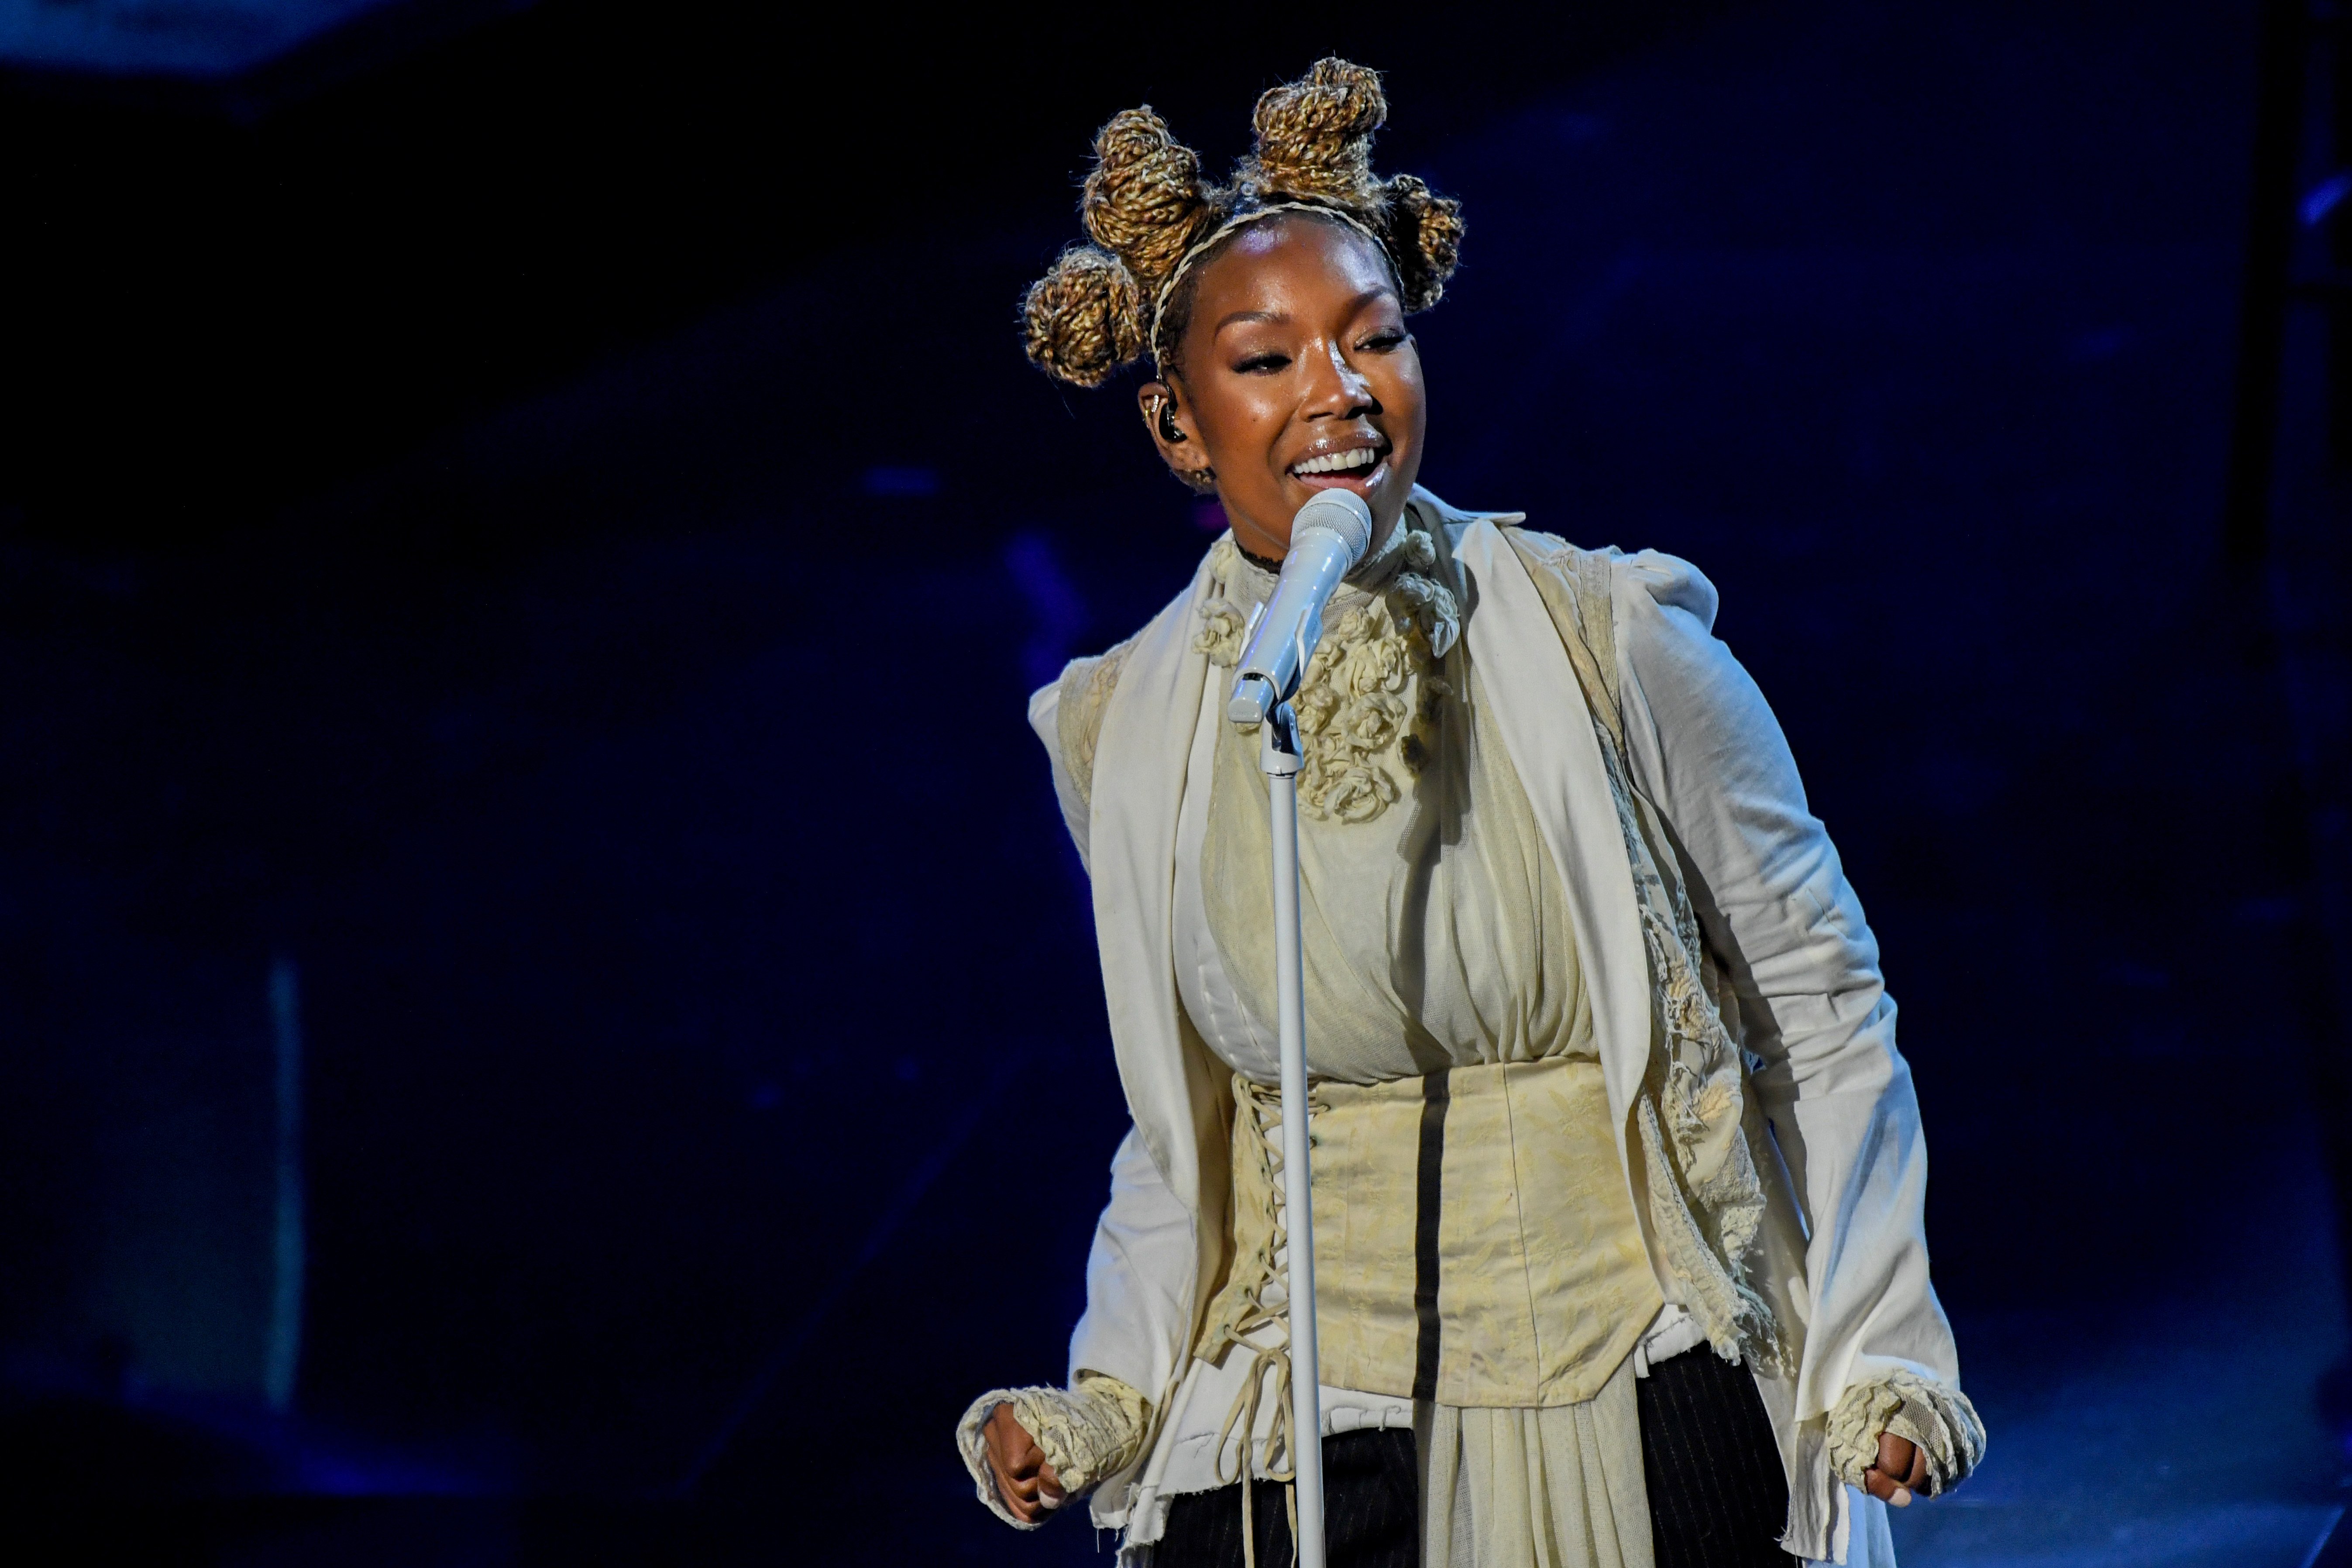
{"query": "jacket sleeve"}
pixel 1140 1267
pixel 1777 910
pixel 1138 1274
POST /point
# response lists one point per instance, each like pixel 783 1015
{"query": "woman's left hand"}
pixel 1901 1471
pixel 1026 1481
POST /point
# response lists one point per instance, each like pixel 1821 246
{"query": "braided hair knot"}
pixel 1424 240
pixel 1315 138
pixel 1144 200
pixel 1083 318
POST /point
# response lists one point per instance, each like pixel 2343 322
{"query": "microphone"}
pixel 1327 538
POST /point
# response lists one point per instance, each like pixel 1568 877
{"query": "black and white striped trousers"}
pixel 1717 1499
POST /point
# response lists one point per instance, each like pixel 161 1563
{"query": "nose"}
pixel 1339 390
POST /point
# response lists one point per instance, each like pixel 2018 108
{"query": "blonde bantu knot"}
pixel 1083 318
pixel 1144 200
pixel 1315 138
pixel 1144 205
pixel 1315 143
pixel 1424 240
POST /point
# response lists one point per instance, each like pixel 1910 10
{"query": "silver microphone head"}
pixel 1343 512
pixel 1327 538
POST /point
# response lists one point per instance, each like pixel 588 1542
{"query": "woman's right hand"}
pixel 1025 1481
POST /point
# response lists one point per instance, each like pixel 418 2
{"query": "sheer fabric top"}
pixel 1436 932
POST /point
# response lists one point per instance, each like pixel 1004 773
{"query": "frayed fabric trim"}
pixel 1935 1416
pixel 1087 1434
pixel 1706 1200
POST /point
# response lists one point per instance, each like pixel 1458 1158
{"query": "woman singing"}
pixel 1618 1175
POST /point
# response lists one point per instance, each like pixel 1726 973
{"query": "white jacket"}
pixel 1842 1258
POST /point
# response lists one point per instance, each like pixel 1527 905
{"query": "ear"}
pixel 1165 413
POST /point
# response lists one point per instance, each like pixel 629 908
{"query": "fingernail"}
pixel 1049 1502
pixel 1901 1497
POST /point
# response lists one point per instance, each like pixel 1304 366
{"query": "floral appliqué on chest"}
pixel 1371 696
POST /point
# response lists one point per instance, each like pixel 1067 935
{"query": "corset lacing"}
pixel 1244 1307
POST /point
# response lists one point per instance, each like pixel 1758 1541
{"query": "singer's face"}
pixel 1299 376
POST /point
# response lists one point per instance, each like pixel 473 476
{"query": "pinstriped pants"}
pixel 1371 1511
pixel 1717 1497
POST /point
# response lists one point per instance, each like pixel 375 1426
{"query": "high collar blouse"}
pixel 1434 928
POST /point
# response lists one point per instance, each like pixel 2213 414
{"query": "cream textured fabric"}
pixel 1438 935
pixel 1706 1195
pixel 1435 930
pixel 1557 1488
pixel 1829 1118
pixel 1086 1432
pixel 1370 693
pixel 1086 685
pixel 1436 941
pixel 1544 1285
pixel 1940 1420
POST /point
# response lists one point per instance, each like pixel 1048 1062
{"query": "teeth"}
pixel 1336 462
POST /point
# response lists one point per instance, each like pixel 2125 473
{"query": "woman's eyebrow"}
pixel 1276 316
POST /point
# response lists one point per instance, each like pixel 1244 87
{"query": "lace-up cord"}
pixel 1262 1183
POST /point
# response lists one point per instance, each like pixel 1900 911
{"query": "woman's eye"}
pixel 1261 365
pixel 1387 342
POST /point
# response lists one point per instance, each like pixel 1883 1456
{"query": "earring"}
pixel 1167 429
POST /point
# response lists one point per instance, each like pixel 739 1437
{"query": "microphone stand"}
pixel 1279 759
pixel 1327 537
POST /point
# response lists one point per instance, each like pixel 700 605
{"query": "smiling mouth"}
pixel 1355 463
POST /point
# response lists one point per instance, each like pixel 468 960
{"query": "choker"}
pixel 1273 568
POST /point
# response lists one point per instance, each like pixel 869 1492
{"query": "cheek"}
pixel 1246 418
pixel 1397 384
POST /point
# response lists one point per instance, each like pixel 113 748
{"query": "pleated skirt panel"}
pixel 1678 1470
pixel 1555 1487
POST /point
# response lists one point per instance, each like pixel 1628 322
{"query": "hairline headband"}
pixel 1242 220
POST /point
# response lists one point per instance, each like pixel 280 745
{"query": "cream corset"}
pixel 1476 1242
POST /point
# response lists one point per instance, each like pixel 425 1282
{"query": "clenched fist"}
pixel 1025 1480
pixel 1901 1471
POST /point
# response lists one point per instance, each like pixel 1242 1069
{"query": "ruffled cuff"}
pixel 1087 1433
pixel 1934 1416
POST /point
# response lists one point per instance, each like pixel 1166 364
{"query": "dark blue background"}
pixel 549 535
